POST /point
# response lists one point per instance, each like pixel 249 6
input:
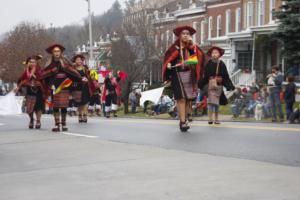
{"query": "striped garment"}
pixel 61 100
pixel 214 95
pixel 186 79
pixel 77 96
pixel 30 103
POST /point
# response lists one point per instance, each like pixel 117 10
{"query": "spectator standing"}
pixel 289 96
pixel 133 101
pixel 275 80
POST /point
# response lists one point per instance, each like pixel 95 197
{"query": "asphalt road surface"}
pixel 148 159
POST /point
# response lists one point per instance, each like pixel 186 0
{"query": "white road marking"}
pixel 79 135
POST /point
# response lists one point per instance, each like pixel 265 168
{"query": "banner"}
pixel 10 104
pixel 151 95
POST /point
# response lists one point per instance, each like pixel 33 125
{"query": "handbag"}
pixel 216 81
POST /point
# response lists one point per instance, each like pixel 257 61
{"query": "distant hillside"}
pixel 2 36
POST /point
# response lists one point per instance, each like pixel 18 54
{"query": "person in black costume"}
pixel 81 90
pixel 59 75
pixel 216 70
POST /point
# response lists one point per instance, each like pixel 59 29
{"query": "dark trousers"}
pixel 133 106
pixel 289 108
pixel 276 104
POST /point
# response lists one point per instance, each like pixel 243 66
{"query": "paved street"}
pixel 149 159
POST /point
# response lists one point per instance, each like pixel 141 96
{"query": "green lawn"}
pixel 224 110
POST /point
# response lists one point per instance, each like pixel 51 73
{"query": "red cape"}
pixel 172 53
pixel 25 80
pixel 118 89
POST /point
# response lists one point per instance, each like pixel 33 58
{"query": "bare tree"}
pixel 138 23
pixel 124 57
pixel 24 40
pixel 135 51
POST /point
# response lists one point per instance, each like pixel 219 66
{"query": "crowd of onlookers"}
pixel 258 101
pixel 3 91
pixel 266 100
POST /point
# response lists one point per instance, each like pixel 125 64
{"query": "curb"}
pixel 202 120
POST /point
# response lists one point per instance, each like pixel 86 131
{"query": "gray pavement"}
pixel 149 159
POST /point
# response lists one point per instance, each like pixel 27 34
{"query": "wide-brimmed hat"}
pixel 35 57
pixel 77 56
pixel 50 48
pixel 179 29
pixel 221 51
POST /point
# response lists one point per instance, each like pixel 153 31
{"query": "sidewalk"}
pixel 40 165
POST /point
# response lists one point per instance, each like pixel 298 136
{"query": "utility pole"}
pixel 91 59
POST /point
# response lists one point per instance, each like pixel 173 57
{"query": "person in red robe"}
pixel 35 90
pixel 59 75
pixel 95 100
pixel 111 93
pixel 182 70
pixel 82 90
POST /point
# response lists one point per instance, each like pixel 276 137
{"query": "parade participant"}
pixel 35 90
pixel 216 76
pixel 95 103
pixel 59 75
pixel 81 90
pixel 182 70
pixel 72 109
pixel 111 93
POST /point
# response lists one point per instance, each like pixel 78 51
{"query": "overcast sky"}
pixel 57 12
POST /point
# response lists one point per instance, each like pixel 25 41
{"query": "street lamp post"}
pixel 91 60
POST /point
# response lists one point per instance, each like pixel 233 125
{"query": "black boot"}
pixel 115 113
pixel 38 124
pixel 183 126
pixel 80 119
pixel 31 122
pixel 84 119
pixel 64 122
pixel 98 112
pixel 56 119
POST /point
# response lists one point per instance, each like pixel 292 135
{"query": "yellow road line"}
pixel 269 128
pixel 262 127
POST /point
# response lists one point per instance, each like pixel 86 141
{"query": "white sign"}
pixel 10 104
pixel 151 95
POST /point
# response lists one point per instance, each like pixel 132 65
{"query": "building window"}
pixel 179 6
pixel 202 32
pixel 195 27
pixel 209 27
pixel 244 59
pixel 238 20
pixel 193 4
pixel 245 16
pixel 228 21
pixel 219 26
pixel 249 14
pixel 156 14
pixel 272 9
pixel 162 41
pixel 167 39
pixel 261 12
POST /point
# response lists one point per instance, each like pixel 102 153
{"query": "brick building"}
pixel 252 47
pixel 223 18
pixel 241 27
